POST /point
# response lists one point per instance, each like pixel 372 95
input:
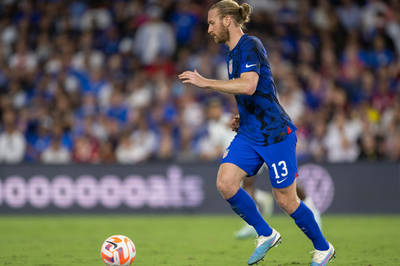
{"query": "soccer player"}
pixel 265 134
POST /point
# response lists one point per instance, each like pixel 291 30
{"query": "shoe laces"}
pixel 261 239
pixel 258 241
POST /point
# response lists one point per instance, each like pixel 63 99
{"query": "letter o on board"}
pixel 15 191
pixel 39 191
pixel 63 191
pixel 86 191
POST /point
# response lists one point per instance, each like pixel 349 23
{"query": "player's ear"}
pixel 226 21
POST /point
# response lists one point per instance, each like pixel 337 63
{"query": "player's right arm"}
pixel 246 84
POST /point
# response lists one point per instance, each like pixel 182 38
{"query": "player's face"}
pixel 216 28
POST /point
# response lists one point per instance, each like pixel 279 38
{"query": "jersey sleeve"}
pixel 249 57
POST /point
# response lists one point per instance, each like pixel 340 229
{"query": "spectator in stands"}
pixel 39 139
pixel 167 146
pixel 12 142
pixel 23 62
pixel 55 153
pixel 341 139
pixel 292 98
pixel 85 150
pixel 392 135
pixel 125 152
pixel 380 56
pixel 154 37
pixel 137 146
pixel 144 140
pixel 106 152
pixel 184 20
pixel 140 92
pixel 117 109
pixel 373 17
pixel 317 146
pixel 218 131
pixel 369 147
pixel 350 15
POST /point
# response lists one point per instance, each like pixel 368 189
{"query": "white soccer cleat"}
pixel 322 257
pixel 264 243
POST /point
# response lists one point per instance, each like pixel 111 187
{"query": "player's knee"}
pixel 222 185
pixel 287 203
pixel 225 186
pixel 282 202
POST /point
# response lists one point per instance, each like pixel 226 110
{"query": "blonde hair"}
pixel 239 13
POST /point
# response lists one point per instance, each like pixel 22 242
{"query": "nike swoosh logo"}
pixel 112 243
pixel 280 181
pixel 247 66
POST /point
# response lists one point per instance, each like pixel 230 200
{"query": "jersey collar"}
pixel 240 40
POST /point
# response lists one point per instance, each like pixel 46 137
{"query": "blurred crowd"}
pixel 96 81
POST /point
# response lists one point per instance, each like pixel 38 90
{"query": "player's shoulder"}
pixel 252 42
pixel 252 38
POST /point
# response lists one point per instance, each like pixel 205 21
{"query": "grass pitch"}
pixel 190 240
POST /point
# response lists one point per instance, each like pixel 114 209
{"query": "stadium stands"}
pixel 95 81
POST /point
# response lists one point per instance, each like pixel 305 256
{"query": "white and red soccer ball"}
pixel 118 250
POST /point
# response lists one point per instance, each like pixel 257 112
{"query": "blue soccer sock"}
pixel 246 208
pixel 304 218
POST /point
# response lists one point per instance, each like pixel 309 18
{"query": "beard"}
pixel 222 36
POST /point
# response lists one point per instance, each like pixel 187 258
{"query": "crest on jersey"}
pixel 230 66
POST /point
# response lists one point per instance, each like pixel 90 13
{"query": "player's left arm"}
pixel 246 84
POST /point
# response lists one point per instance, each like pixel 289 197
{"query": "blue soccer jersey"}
pixel 262 119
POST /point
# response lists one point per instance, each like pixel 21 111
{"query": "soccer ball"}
pixel 118 250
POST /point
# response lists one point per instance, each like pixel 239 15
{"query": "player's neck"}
pixel 235 36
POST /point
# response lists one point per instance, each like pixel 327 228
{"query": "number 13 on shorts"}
pixel 282 173
pixel 282 169
pixel 281 161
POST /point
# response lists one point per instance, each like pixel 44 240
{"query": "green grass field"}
pixel 190 240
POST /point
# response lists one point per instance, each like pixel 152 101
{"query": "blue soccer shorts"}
pixel 279 157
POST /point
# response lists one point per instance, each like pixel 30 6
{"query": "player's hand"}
pixel 193 77
pixel 235 123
